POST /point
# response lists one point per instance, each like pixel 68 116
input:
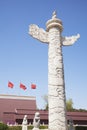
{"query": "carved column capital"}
pixel 54 22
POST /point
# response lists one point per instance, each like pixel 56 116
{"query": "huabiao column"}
pixel 56 85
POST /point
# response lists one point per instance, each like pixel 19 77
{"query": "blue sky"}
pixel 24 59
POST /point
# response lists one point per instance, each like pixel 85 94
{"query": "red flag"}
pixel 10 84
pixel 22 86
pixel 33 86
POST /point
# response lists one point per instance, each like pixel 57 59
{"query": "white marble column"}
pixel 56 86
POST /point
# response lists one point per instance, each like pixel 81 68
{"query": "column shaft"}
pixel 56 86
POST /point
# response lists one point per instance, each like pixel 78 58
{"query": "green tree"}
pixel 69 105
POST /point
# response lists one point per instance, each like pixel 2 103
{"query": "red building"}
pixel 13 108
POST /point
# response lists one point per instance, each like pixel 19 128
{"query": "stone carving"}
pixel 67 41
pixel 56 84
pixel 54 15
pixel 42 35
pixel 38 33
pixel 71 125
pixel 24 123
pixel 36 121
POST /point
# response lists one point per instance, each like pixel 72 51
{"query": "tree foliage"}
pixel 69 105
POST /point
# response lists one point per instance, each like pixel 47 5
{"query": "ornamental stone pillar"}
pixel 56 85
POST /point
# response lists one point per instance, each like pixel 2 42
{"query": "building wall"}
pixel 10 103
